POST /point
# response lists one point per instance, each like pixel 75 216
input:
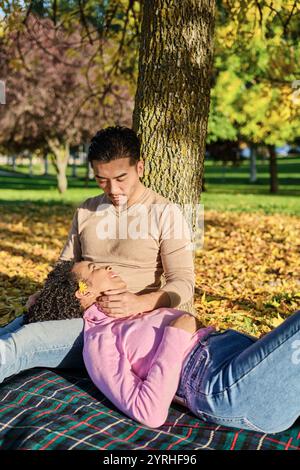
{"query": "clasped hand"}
pixel 118 303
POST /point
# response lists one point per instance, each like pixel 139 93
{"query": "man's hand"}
pixel 185 322
pixel 32 299
pixel 118 303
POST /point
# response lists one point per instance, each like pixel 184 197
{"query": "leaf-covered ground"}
pixel 248 272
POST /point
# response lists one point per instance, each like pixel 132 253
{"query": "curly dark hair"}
pixel 113 143
pixel 57 299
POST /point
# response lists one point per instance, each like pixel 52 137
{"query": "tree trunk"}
pixel 46 165
pixel 253 176
pixel 30 166
pixel 223 172
pixel 14 159
pixel 89 170
pixel 273 169
pixel 74 165
pixel 61 154
pixel 173 95
pixel 62 182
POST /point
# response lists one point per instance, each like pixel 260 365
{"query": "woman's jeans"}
pixel 230 378
pixel 45 344
pixel 236 380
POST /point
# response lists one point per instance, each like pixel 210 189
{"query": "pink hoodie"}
pixel 136 361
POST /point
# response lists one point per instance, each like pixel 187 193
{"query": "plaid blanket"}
pixel 53 409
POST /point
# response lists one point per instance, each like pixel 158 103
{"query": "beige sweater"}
pixel 144 243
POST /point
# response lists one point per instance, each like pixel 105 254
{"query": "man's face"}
pixel 118 179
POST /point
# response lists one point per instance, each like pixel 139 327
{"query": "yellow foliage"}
pixel 247 274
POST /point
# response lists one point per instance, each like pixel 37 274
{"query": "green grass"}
pixel 232 180
pixel 20 187
pixel 267 204
pixel 227 189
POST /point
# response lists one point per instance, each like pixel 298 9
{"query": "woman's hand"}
pixel 185 322
pixel 32 299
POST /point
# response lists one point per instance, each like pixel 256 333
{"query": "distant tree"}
pixel 56 95
pixel 257 57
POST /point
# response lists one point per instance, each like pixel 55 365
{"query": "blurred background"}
pixel 70 67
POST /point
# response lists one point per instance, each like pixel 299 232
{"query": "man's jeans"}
pixel 46 344
pixel 234 379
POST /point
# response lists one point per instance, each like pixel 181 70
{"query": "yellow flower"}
pixel 82 287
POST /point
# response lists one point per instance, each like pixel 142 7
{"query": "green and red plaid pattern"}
pixel 45 409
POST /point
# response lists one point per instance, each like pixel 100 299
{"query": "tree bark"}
pixel 14 161
pixel 30 166
pixel 89 171
pixel 273 169
pixel 74 166
pixel 173 96
pixel 61 154
pixel 46 165
pixel 253 175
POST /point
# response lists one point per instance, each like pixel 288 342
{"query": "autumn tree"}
pixel 58 92
pixel 257 56
pixel 172 98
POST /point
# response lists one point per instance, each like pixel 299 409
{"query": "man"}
pixel 129 227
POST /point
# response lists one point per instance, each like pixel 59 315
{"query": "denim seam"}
pixel 247 373
pixel 51 349
pixel 191 365
pixel 223 418
pixel 227 420
pixel 187 387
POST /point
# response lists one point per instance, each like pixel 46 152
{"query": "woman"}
pixel 142 362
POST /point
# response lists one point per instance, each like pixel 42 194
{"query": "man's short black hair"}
pixel 112 143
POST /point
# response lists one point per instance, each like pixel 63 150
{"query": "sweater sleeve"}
pixel 177 257
pixel 148 400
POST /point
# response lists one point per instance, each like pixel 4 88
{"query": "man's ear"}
pixel 140 168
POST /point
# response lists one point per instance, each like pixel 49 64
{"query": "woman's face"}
pixel 99 279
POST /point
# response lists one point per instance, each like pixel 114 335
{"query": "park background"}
pixel 70 68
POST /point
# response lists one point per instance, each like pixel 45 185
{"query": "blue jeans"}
pixel 236 380
pixel 51 344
